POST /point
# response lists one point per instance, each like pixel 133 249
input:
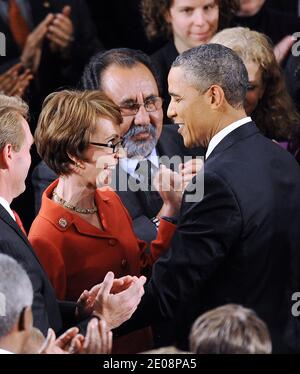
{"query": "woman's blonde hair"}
pixel 66 123
pixel 275 113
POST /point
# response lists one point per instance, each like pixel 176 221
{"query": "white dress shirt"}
pixel 129 164
pixel 4 352
pixel 6 206
pixel 215 140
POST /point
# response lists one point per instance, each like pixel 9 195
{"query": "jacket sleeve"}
pixel 39 309
pixel 158 246
pixel 52 261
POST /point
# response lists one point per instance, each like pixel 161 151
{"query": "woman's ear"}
pixel 77 163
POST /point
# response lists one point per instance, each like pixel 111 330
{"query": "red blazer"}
pixel 76 255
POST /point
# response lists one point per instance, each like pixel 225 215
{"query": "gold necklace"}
pixel 63 202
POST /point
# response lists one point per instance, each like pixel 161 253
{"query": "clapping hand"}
pixel 61 30
pixel 116 308
pixel 85 303
pixel 32 51
pixel 12 83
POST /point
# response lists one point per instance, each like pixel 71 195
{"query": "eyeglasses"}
pixel 113 147
pixel 151 105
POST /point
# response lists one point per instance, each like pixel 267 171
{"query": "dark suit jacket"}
pixel 47 311
pixel 170 144
pixel 239 244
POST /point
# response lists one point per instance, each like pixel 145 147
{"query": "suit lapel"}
pixel 5 216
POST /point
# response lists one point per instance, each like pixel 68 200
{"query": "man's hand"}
pixel 98 338
pixel 118 308
pixel 61 30
pixel 66 343
pixel 85 303
pixel 189 169
pixel 12 83
pixel 32 51
pixel 169 185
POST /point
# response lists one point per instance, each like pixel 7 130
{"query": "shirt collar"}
pixel 129 164
pixel 215 140
pixel 6 206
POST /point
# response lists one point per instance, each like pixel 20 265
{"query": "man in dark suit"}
pixel 239 243
pixel 15 143
pixel 130 81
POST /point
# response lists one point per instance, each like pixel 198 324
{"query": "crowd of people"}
pixel 163 188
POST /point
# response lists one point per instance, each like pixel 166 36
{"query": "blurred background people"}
pixel 230 329
pixel 183 24
pixel 267 99
pixel 54 39
pixel 278 26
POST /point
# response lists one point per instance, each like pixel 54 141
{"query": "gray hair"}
pixel 15 293
pixel 211 64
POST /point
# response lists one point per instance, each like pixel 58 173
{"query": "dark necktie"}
pixel 17 23
pixel 151 197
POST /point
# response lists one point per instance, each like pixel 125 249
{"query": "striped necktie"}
pixel 17 23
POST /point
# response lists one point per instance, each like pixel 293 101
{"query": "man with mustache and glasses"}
pixel 128 78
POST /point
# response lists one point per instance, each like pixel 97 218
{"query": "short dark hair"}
pixel 211 64
pixel 124 57
pixel 230 329
pixel 66 122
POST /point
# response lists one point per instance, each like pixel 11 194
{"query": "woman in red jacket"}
pixel 82 232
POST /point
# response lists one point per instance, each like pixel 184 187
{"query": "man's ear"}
pixel 6 156
pixel 25 319
pixel 215 96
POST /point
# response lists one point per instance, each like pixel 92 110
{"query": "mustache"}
pixel 138 129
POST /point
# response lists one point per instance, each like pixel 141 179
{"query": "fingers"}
pixel 58 36
pixel 105 337
pixel 67 11
pixel 283 47
pixel 107 284
pixel 192 166
pixel 76 344
pixel 61 30
pixel 40 31
pixel 83 298
pixel 66 338
pixel 50 340
pixel 92 342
